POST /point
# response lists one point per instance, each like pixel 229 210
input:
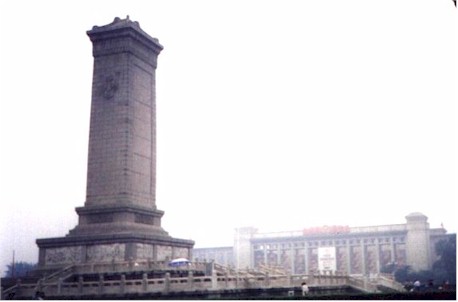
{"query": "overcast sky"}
pixel 280 115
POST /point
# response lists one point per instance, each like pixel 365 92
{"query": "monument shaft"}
pixel 122 143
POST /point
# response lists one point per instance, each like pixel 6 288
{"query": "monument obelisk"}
pixel 119 220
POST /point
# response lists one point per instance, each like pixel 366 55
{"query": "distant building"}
pixel 351 250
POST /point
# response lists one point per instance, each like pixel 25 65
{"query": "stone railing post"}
pixel 80 285
pixel 267 280
pixel 59 285
pixel 145 282
pixel 236 279
pixel 226 280
pixel 191 281
pixel 101 279
pixel 167 283
pixel 123 284
pixel 214 280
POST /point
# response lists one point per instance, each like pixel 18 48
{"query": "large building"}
pixel 350 250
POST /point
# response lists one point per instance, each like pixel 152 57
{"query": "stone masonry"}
pixel 119 220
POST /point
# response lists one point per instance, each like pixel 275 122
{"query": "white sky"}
pixel 275 114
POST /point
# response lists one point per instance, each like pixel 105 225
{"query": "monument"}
pixel 119 220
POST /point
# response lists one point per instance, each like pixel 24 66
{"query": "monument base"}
pixel 55 253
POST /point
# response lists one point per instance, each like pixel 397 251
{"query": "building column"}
pixel 306 256
pixel 292 258
pixel 348 256
pixel 377 254
pixel 264 249
pixel 252 264
pixel 393 250
pixel 363 257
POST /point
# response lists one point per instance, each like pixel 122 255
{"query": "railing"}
pixel 59 274
pixel 276 270
pixel 370 284
pixel 390 283
pixel 130 266
pixel 39 286
pixel 363 284
pixel 177 284
pixel 218 280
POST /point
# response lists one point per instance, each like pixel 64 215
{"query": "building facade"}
pixel 350 250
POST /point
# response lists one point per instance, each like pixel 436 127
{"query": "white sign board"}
pixel 327 259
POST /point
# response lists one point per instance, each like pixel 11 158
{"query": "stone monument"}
pixel 119 220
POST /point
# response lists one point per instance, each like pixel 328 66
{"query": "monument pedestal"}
pixel 64 251
pixel 113 233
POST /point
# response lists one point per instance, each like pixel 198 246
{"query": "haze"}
pixel 280 115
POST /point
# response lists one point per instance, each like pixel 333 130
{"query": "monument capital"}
pixel 124 35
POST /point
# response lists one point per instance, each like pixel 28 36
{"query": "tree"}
pixel 20 269
pixel 403 274
pixel 444 269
